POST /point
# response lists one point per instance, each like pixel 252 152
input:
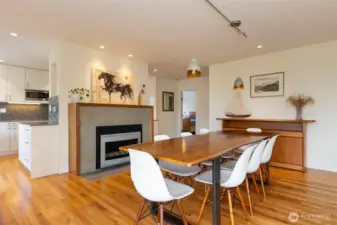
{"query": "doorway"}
pixel 188 110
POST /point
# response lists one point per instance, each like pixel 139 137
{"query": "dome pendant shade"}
pixel 193 69
pixel 238 84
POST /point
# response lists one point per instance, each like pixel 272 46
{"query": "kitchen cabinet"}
pixel 3 83
pixel 37 79
pixel 8 138
pixel 4 138
pixel 16 83
pixel 14 144
pixel 25 151
pixel 36 152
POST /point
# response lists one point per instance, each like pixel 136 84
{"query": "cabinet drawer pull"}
pixel 26 129
pixel 26 142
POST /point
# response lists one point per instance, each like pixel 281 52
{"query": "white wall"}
pixel 167 120
pixel 189 102
pixel 170 122
pixel 201 87
pixel 74 63
pixel 311 70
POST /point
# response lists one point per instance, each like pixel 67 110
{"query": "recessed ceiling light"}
pixel 130 55
pixel 101 47
pixel 2 61
pixel 259 46
pixel 155 70
pixel 14 34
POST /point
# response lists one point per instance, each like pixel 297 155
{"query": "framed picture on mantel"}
pixel 267 85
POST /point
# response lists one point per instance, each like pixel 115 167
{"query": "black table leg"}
pixel 216 191
pixel 168 216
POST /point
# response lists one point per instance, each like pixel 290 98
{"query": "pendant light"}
pixel 193 69
pixel 238 84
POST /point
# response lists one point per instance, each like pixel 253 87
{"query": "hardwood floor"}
pixel 70 200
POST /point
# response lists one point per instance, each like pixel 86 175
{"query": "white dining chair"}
pixel 228 155
pixel 228 179
pixel 204 131
pixel 241 149
pixel 186 134
pixel 179 172
pixel 152 186
pixel 161 137
pixel 266 156
pixel 253 167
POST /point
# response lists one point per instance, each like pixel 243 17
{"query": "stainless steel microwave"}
pixel 37 95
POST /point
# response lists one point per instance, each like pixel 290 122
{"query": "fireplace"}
pixel 108 141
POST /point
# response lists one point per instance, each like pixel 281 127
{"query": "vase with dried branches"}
pixel 299 101
pixel 142 92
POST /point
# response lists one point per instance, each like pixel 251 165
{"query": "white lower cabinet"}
pixel 8 138
pixel 38 149
pixel 25 151
pixel 4 137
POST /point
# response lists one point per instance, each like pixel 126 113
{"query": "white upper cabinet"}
pixel 16 83
pixel 3 83
pixel 37 79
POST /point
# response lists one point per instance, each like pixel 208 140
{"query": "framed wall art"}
pixel 267 85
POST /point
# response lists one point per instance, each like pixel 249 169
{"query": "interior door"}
pixel 3 83
pixel 16 83
pixel 4 137
pixel 14 146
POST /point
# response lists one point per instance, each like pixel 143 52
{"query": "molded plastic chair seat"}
pixel 228 165
pixel 228 155
pixel 207 163
pixel 178 190
pixel 206 177
pixel 183 171
pixel 241 149
pixel 186 134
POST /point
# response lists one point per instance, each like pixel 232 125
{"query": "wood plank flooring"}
pixel 70 200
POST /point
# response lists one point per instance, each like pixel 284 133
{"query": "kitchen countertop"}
pixel 38 123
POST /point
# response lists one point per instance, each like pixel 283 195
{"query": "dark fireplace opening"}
pixel 110 138
pixel 112 148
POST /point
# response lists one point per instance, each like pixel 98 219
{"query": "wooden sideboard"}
pixel 289 150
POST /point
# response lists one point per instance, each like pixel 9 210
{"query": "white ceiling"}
pixel 164 33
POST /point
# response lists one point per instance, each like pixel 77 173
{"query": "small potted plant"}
pixel 299 101
pixel 78 94
pixel 142 91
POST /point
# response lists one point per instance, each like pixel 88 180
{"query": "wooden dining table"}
pixel 193 150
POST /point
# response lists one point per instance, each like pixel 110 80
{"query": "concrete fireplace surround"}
pixel 85 117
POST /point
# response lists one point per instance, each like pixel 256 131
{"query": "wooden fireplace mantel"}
pixel 289 149
pixel 74 128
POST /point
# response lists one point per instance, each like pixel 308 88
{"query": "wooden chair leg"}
pixel 192 185
pixel 249 199
pixel 182 212
pixel 204 203
pixel 242 203
pixel 262 184
pixel 161 210
pixel 256 187
pixel 230 206
pixel 139 213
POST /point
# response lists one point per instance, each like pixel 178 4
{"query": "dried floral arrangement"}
pixel 299 101
pixel 142 91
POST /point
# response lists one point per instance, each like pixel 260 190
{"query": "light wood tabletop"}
pixel 195 149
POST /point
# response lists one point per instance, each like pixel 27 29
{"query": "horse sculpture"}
pixel 111 86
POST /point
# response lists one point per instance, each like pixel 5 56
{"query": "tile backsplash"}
pixel 22 112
